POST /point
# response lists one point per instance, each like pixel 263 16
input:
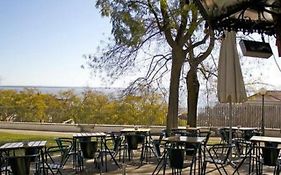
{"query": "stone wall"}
pixel 58 127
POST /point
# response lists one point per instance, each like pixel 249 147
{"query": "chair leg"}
pixel 204 168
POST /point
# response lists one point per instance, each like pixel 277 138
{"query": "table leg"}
pixel 44 161
pixel 75 159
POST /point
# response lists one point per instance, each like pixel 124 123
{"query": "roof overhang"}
pixel 248 16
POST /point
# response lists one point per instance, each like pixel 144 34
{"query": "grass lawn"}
pixel 15 137
pixel 24 136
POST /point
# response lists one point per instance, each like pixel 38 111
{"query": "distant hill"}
pixel 56 90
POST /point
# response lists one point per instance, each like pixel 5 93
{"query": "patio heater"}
pixel 247 16
pixel 262 93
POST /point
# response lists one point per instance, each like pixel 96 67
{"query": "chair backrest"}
pixel 205 134
pixel 64 143
pixel 247 134
pixel 242 146
pixel 65 146
pixel 117 140
pixel 220 152
pixel 156 144
pixel 224 134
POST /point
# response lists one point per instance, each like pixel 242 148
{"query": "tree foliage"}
pixel 89 107
pixel 161 36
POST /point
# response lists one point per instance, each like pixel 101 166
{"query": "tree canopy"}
pixel 161 36
pixel 30 105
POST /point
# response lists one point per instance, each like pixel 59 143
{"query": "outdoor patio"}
pixel 134 167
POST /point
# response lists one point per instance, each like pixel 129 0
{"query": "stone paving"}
pixel 134 167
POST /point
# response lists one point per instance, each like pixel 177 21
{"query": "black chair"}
pixel 206 134
pixel 66 147
pixel 224 134
pixel 4 166
pixel 242 147
pixel 116 142
pixel 156 146
pixel 247 134
pixel 113 147
pixel 218 155
pixel 57 156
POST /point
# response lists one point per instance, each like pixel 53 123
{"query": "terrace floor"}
pixel 134 168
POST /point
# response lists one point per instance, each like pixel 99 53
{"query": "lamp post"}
pixel 262 93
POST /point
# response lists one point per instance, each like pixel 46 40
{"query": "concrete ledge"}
pixel 59 127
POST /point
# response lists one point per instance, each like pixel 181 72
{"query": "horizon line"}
pixel 42 86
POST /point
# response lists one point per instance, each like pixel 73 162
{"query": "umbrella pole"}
pixel 230 127
pixel 230 122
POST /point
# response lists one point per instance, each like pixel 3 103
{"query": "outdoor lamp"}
pixel 247 16
pixel 262 92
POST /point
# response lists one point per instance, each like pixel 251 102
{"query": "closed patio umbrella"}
pixel 230 86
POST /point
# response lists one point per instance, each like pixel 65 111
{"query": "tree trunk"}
pixel 192 97
pixel 177 62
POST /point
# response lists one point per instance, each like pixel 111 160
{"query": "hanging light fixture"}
pixel 255 49
pixel 247 16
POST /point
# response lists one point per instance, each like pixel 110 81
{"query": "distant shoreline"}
pixel 42 86
pixel 57 89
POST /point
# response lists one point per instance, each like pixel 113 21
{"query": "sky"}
pixel 42 42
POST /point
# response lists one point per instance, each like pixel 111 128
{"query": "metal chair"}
pixel 218 155
pixel 4 166
pixel 112 149
pixel 224 134
pixel 247 134
pixel 156 146
pixel 57 156
pixel 116 140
